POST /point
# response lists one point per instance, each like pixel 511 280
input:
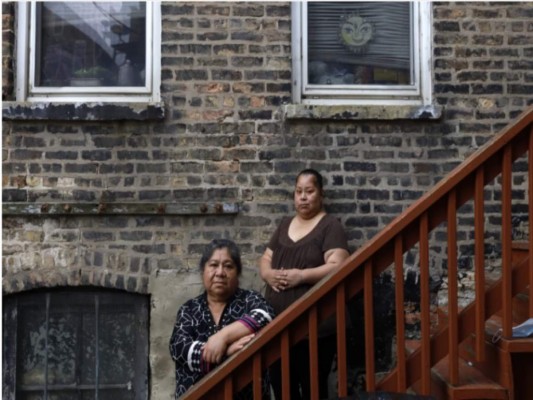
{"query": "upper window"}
pixel 101 51
pixel 75 345
pixel 362 52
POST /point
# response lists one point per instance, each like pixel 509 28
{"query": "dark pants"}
pixel 299 368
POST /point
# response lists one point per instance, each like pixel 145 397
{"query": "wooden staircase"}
pixel 457 359
pixel 508 363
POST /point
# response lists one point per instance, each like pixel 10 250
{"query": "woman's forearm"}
pixel 217 344
pixel 333 260
pixel 265 265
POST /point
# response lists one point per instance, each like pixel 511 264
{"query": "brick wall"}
pixel 8 32
pixel 226 69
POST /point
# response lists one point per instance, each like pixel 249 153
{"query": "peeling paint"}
pixel 359 112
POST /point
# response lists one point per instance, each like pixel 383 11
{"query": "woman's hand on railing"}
pixel 215 348
pixel 239 344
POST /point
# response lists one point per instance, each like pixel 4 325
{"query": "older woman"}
pixel 303 250
pixel 219 322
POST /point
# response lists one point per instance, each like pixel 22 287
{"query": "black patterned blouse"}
pixel 195 324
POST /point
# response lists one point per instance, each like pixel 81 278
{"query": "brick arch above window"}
pixel 74 277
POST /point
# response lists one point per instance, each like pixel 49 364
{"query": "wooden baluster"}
pixel 257 377
pixel 285 367
pixel 425 358
pixel 479 262
pixel 342 372
pixel 369 328
pixel 313 353
pixel 452 289
pixel 400 318
pixel 530 247
pixel 228 388
pixel 506 242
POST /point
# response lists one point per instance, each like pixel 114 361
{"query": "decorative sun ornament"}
pixel 355 33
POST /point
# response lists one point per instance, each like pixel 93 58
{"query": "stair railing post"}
pixel 507 242
pixel 368 294
pixel 530 216
pixel 452 289
pixel 479 261
pixel 425 304
pixel 400 317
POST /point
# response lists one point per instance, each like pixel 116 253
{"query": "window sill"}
pixel 194 208
pixel 97 111
pixel 360 112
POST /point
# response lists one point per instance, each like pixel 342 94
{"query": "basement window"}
pixel 75 344
pixel 88 51
pixel 361 53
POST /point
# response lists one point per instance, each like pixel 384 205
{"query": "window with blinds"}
pixel 362 50
pixel 359 43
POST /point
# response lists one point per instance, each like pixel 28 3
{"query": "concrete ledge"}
pixel 82 111
pixel 358 112
pixel 43 209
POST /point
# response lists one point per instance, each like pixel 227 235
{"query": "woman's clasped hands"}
pixel 282 279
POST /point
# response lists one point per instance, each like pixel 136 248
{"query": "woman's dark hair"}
pixel 316 174
pixel 217 244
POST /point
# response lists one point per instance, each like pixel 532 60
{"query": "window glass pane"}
pixel 62 347
pixel 89 395
pixel 88 361
pixel 114 394
pixel 359 43
pixel 63 395
pixel 117 338
pixel 30 396
pixel 91 44
pixel 31 355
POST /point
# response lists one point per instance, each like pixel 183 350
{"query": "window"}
pixel 88 51
pixel 362 53
pixel 75 344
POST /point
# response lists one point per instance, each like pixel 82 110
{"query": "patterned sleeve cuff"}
pixel 194 358
pixel 256 319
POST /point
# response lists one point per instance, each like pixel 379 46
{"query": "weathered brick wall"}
pixel 8 39
pixel 226 69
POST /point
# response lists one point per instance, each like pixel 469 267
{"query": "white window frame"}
pixel 419 93
pixel 26 91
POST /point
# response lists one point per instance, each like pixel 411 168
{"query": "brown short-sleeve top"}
pixel 308 252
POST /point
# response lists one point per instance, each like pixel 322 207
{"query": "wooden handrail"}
pixel 412 227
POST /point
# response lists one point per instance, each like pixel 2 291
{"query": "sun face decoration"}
pixel 355 33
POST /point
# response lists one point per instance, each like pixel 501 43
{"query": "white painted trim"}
pixel 426 59
pixel 22 21
pixel 296 43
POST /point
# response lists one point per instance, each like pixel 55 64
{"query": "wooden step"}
pixel 473 384
pixel 496 365
pixel 519 250
pixel 512 345
pixel 507 361
pixel 520 307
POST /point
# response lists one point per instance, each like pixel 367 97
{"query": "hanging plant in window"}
pixel 355 33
